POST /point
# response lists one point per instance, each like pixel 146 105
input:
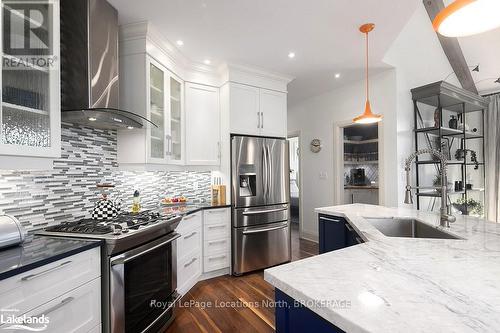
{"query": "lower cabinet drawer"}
pixel 216 231
pixel 215 262
pixel 216 246
pixel 76 311
pixel 29 290
pixel 217 216
pixel 189 242
pixel 190 222
pixel 188 268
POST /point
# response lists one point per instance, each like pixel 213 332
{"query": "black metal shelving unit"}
pixel 445 97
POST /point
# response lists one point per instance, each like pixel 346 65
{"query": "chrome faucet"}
pixel 445 210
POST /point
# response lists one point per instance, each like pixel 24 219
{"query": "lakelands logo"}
pixel 28 34
pixel 12 321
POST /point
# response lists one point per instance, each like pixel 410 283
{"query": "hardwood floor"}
pixel 234 304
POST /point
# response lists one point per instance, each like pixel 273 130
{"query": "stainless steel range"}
pixel 139 277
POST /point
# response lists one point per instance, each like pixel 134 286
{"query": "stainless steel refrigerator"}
pixel 260 198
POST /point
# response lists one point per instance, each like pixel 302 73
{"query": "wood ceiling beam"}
pixel 452 49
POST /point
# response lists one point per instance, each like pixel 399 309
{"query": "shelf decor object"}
pixel 467 17
pixel 442 99
pixel 368 117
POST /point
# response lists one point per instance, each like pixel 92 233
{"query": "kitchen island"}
pixel 395 284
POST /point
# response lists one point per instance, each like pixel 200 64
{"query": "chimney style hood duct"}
pixel 89 66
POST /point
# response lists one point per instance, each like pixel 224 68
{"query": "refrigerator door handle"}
pixel 269 171
pixel 265 174
pixel 258 212
pixel 256 231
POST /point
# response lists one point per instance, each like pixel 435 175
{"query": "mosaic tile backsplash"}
pixel 68 192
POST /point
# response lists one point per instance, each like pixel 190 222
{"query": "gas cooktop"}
pixel 120 224
pixel 124 231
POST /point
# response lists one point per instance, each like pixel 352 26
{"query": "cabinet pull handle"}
pixel 348 227
pixel 215 211
pixel 33 276
pixel 329 219
pixel 216 226
pixel 57 306
pixel 258 119
pixel 190 263
pixel 218 257
pixel 191 235
pixel 216 242
pixel 219 150
pixel 262 121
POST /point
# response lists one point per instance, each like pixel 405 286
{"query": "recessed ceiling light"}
pixel 92 119
pixel 207 62
pixel 130 127
pixel 337 75
pixel 291 55
pixel 179 43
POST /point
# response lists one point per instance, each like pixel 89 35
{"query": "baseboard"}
pixel 310 237
pixel 210 275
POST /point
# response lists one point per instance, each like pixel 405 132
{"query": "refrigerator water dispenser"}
pixel 247 185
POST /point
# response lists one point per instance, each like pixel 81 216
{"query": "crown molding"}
pixel 144 31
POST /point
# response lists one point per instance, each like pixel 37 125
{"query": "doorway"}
pixel 360 164
pixel 294 149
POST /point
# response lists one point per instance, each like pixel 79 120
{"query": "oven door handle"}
pixel 122 259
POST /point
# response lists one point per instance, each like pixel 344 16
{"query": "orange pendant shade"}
pixel 467 17
pixel 368 117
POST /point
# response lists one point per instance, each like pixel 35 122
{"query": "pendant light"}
pixel 467 17
pixel 368 117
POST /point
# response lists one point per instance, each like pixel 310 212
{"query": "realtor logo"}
pixel 10 320
pixel 28 34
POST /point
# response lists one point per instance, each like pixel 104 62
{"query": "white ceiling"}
pixel 323 34
pixel 484 49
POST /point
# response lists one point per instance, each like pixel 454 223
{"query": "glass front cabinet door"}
pixel 30 99
pixel 165 93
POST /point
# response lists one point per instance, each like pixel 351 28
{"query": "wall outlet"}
pixel 323 175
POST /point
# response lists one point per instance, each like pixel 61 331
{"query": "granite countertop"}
pixel 37 251
pixel 402 284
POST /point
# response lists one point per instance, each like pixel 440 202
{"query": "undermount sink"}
pixel 400 227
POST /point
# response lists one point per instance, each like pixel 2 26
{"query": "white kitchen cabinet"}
pixel 244 108
pixel 68 291
pixel 79 310
pixel 150 89
pixel 257 111
pixel 189 251
pixel 30 116
pixel 273 113
pixel 203 137
pixel 216 239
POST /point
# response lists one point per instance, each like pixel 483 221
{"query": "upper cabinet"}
pixel 203 139
pixel 273 114
pixel 257 111
pixel 30 99
pixel 148 88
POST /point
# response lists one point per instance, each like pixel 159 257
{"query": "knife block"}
pixel 218 195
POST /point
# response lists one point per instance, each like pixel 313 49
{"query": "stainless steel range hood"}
pixel 89 66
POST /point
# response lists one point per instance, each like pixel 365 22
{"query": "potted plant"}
pixel 469 206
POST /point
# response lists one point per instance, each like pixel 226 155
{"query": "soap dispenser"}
pixel 136 202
